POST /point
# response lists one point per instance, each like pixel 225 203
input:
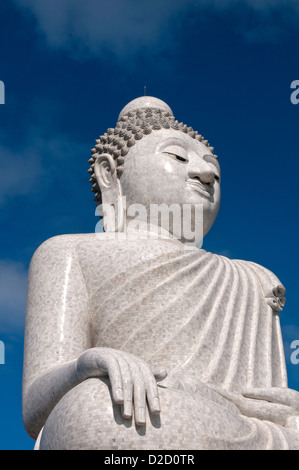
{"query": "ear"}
pixel 111 191
pixel 105 172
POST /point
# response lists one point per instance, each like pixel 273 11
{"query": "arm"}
pixel 57 328
pixel 44 393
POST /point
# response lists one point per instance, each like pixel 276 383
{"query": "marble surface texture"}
pixel 141 343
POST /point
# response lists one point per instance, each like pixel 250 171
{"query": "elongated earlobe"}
pixel 111 192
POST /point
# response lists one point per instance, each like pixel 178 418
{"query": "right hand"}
pixel 133 384
pixel 276 404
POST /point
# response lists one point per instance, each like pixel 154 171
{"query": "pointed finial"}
pixel 144 90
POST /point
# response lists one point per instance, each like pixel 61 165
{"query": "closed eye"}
pixel 177 157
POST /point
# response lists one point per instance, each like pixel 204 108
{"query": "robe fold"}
pixel 197 315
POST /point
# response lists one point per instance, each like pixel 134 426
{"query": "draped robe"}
pixel 211 322
pixel 198 315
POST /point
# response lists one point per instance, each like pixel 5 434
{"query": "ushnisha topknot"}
pixel 138 118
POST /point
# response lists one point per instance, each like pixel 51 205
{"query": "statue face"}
pixel 171 167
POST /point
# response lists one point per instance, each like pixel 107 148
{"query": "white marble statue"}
pixel 140 343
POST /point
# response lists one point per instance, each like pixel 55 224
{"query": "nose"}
pixel 202 171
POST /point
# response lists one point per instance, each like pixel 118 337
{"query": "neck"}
pixel 137 229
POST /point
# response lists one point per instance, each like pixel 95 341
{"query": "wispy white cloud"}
pixel 32 168
pixel 123 27
pixel 92 27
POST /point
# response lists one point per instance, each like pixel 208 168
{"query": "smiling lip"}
pixel 204 189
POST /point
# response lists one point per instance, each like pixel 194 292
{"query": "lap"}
pixel 86 418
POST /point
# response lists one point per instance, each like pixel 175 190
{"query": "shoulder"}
pixel 263 273
pixel 61 246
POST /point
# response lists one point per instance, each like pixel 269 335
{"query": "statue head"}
pixel 151 158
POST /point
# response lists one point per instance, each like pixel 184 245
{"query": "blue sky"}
pixel 225 68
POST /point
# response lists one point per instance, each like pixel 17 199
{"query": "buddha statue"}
pixel 144 341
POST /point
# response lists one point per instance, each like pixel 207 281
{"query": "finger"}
pixel 127 382
pixel 139 394
pixel 260 394
pixel 266 411
pixel 152 396
pixel 152 393
pixel 110 363
pixel 284 396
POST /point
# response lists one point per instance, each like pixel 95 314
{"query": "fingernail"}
pixel 140 417
pixel 127 410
